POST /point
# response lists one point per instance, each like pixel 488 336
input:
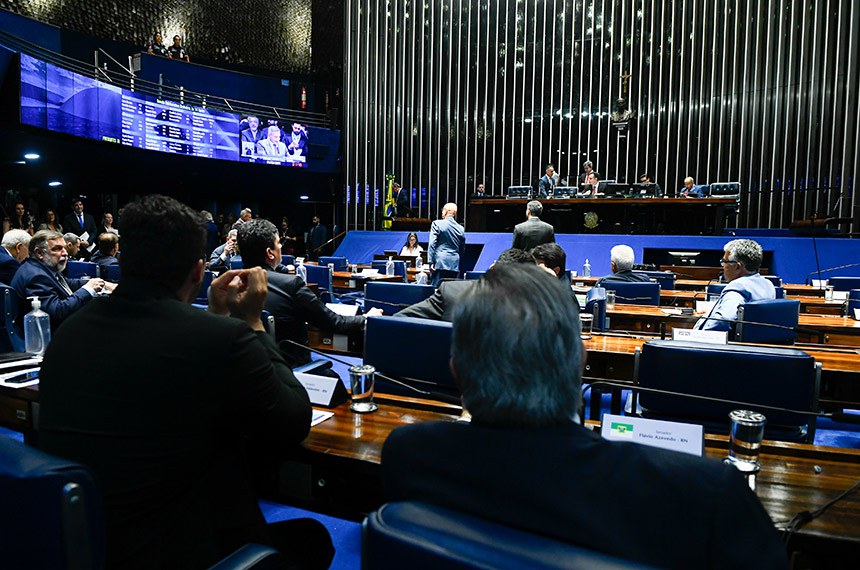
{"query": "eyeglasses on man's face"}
pixel 726 261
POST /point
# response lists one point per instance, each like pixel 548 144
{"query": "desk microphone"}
pixel 819 334
pixel 819 272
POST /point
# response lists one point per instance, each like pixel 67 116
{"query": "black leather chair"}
pixel 778 377
pixel 110 273
pixel 392 297
pixel 420 536
pixel 595 304
pixel 53 519
pixel 75 269
pixel 14 336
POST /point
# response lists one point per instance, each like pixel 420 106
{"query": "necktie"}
pixel 64 284
pixel 81 220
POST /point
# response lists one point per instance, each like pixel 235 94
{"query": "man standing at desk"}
pixel 80 223
pixel 741 261
pixel 524 460
pixel 547 183
pixel 317 236
pixel 534 231
pixel 447 244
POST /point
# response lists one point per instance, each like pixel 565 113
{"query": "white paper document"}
pixel 343 310
pixel 320 416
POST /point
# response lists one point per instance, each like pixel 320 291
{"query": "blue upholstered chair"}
pixel 338 262
pixel 321 276
pixel 634 293
pixel 595 304
pixel 75 269
pixel 13 336
pixel 666 279
pixel 110 273
pixel 844 283
pixel 473 274
pixel 392 297
pixel 783 313
pixel 236 262
pixel 775 279
pixel 288 259
pixel 779 292
pixel 713 291
pixel 399 267
pixel 203 294
pixel 424 363
pixel 853 301
pixel 54 519
pixel 751 375
pixel 420 536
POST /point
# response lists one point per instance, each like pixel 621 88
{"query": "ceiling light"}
pixel 54 183
pixel 31 156
pixel 303 197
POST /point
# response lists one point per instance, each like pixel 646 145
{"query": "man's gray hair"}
pixel 207 215
pixel 232 233
pixel 746 252
pixel 535 208
pixel 622 256
pixel 14 237
pixel 39 242
pixel 71 238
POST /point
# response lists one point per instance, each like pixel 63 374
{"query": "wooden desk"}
pixel 340 462
pixel 345 280
pixel 813 305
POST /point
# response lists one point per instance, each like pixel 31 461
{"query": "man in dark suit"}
pixel 548 182
pixel 317 235
pixel 402 208
pixel 79 222
pixel 290 301
pixel 167 433
pixel 107 251
pixel 621 261
pixel 14 251
pixel 440 305
pixel 41 275
pixel 533 231
pixel 251 136
pixel 524 460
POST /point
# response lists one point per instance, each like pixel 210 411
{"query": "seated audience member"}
pixel 41 275
pixel 107 251
pixel 245 215
pixel 412 248
pixel 107 225
pixel 440 305
pixel 169 442
pixel 51 222
pixel 220 259
pixel 290 301
pixel 621 262
pixel 19 220
pixel 533 231
pixel 741 261
pixel 73 246
pixel 14 251
pixel 524 460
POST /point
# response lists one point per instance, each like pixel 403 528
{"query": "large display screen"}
pixel 61 100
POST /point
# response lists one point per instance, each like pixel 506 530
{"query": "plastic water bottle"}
pixel 419 262
pixel 586 268
pixel 389 267
pixel 37 329
pixel 302 271
pixel 421 278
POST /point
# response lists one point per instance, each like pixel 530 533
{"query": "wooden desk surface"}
pixel 808 304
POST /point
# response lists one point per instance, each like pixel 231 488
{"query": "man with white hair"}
pixel 13 252
pixel 741 261
pixel 621 261
pixel 447 243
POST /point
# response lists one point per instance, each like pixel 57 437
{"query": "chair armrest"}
pixel 251 556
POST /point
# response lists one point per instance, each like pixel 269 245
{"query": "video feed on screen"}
pixel 273 141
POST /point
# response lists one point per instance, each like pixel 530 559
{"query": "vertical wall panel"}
pixel 446 94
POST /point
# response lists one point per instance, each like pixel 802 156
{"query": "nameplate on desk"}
pixel 674 436
pixel 857 314
pixel 323 390
pixel 705 306
pixel 819 283
pixel 840 295
pixel 712 337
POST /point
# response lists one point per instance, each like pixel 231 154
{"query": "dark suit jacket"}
pixel 653 506
pixel 440 305
pixel 546 186
pixel 629 276
pixel 295 306
pixel 165 430
pixel 402 208
pixel 531 233
pixel 8 266
pixel 71 224
pixel 34 279
pixel 317 236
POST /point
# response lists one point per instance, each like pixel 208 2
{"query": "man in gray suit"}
pixel 447 244
pixel 533 232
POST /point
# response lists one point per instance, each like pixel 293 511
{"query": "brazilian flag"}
pixel 389 202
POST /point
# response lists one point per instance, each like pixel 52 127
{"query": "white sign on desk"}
pixel 323 390
pixel 705 306
pixel 675 436
pixel 712 337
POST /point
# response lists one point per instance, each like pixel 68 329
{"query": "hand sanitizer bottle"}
pixel 586 268
pixel 37 329
pixel 302 271
pixel 389 267
pixel 421 278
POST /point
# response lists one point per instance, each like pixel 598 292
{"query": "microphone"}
pixel 387 303
pixel 820 271
pixel 802 330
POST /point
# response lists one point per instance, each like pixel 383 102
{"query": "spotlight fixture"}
pixel 303 197
pixel 54 183
pixel 31 156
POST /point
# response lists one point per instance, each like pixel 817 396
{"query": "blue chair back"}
pixel 775 279
pixel 595 303
pixel 320 275
pixel 725 189
pixel 844 283
pixel 713 291
pixel 779 377
pixel 236 262
pixel 399 267
pixel 853 301
pixel 779 292
pixel 338 262
pixel 779 312
pixel 203 294
pixel 75 269
pixel 666 279
pixel 11 304
pixel 421 536
pixel 53 511
pixel 474 274
pixel 393 297
pixel 288 259
pixel 634 293
pixel 384 342
pixel 110 273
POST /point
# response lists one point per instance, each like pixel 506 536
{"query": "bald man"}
pixel 447 244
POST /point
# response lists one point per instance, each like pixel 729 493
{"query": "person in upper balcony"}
pixel 177 51
pixel 741 261
pixel 155 46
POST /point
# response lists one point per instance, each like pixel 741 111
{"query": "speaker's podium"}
pixel 410 224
